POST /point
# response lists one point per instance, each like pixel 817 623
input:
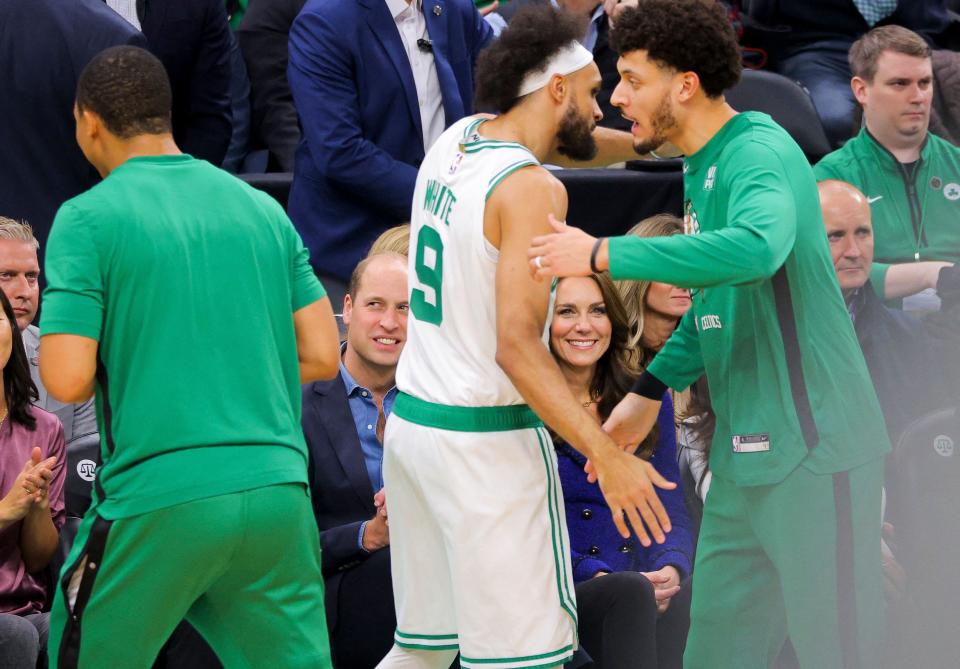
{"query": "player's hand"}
pixel 627 484
pixel 565 252
pixel 666 583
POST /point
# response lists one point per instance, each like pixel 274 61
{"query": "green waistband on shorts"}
pixel 465 419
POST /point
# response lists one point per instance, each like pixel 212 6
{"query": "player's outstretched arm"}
pixel 516 212
pixel 318 341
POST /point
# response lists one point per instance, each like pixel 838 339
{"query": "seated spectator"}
pixel 343 423
pixel 633 610
pixel 819 33
pixel 20 281
pixel 910 176
pixel 32 474
pixel 263 34
pixel 910 380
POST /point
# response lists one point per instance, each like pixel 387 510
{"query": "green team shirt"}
pixel 916 215
pixel 768 325
pixel 188 279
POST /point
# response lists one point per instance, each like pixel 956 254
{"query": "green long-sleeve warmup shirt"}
pixel 768 325
pixel 915 208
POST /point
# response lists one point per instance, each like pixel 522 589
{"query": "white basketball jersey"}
pixel 450 353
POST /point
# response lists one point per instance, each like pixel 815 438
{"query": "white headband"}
pixel 566 61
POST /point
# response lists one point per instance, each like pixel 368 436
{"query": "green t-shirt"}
pixel 914 218
pixel 768 325
pixel 188 278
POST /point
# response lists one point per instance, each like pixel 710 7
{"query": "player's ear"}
pixel 558 88
pixel 686 85
pixel 859 88
pixel 347 309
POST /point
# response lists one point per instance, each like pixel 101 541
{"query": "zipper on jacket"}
pixel 913 199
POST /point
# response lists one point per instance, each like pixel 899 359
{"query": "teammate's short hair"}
pixel 866 51
pixel 128 88
pixel 634 293
pixel 685 35
pixel 357 275
pixel 19 231
pixel 535 34
pixel 392 240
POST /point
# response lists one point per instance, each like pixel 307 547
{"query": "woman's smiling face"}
pixel 580 331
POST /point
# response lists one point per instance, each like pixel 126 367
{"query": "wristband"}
pixel 650 387
pixel 593 255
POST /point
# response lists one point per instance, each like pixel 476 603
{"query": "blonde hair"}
pixel 634 293
pixel 392 240
pixel 19 231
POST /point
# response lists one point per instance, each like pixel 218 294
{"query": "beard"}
pixel 575 135
pixel 661 122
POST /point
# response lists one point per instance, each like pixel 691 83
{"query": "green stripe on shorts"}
pixel 556 536
pixel 465 419
pixel 526 662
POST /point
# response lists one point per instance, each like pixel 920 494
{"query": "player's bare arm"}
pixel 318 347
pixel 516 212
pixel 68 366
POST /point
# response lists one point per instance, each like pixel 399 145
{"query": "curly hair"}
pixel 128 88
pixel 686 35
pixel 535 34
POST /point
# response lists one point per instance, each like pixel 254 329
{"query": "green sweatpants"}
pixel 801 557
pixel 243 568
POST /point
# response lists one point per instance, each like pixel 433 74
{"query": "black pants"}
pixel 620 627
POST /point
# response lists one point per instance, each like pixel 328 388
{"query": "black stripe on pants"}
pixel 69 653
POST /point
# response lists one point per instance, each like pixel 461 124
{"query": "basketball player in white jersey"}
pixel 480 555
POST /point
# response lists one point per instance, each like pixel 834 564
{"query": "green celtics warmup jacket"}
pixel 768 324
pixel 915 209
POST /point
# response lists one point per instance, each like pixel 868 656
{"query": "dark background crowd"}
pixel 331 105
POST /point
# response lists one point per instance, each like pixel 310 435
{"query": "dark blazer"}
pixel 192 39
pixel 356 164
pixel 359 593
pixel 44 45
pixel 263 36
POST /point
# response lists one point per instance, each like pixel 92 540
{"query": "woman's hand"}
pixel 666 583
pixel 29 489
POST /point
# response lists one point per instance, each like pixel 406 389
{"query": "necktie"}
pixel 875 11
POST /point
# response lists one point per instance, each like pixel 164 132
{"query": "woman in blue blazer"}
pixel 633 602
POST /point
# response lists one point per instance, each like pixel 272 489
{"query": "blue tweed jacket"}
pixel 595 543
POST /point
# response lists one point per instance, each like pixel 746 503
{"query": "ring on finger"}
pixel 538 262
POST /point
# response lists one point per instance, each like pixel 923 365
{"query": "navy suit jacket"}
pixel 192 39
pixel 44 45
pixel 356 164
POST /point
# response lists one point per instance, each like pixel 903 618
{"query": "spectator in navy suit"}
pixel 44 44
pixel 375 82
pixel 343 423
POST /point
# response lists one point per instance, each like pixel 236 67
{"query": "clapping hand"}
pixel 29 489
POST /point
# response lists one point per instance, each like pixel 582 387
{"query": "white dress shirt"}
pixel 412 27
pixel 127 9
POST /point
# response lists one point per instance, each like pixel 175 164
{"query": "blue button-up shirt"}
pixel 365 413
